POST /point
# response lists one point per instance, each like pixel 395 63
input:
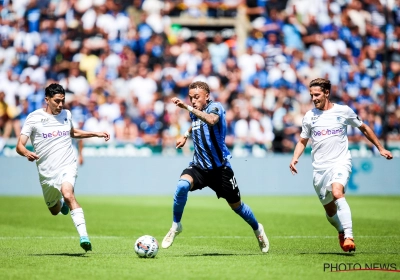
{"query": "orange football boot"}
pixel 349 245
pixel 341 240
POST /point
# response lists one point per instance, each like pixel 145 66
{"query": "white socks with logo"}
pixel 79 221
pixel 344 215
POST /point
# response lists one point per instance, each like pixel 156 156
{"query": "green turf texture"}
pixel 215 242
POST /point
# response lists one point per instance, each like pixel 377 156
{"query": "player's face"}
pixel 55 103
pixel 198 97
pixel 319 97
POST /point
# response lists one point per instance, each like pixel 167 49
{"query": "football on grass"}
pixel 146 246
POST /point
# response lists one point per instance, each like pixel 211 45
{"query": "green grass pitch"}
pixel 215 244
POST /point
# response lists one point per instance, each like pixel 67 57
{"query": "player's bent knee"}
pixel 337 191
pixel 337 194
pixel 69 196
pixel 183 187
pixel 235 205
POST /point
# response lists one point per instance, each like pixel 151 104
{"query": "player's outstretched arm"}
pixel 367 131
pixel 182 139
pixel 23 151
pixel 298 151
pixel 210 119
pixel 79 133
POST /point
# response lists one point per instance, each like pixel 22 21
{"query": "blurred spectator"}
pixel 5 121
pixel 278 5
pixel 359 16
pixel 229 7
pixel 247 63
pixel 75 82
pixel 150 129
pixel 293 30
pixel 208 76
pixel 272 49
pixel 51 36
pixel 96 122
pixel 143 87
pixel 125 128
pixel 393 127
pixel 256 41
pixel 219 52
pixel 7 54
pixel 254 9
pixel 34 71
pixel 23 112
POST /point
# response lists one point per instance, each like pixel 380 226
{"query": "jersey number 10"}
pixel 233 182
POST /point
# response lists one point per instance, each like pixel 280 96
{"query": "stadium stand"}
pixel 122 61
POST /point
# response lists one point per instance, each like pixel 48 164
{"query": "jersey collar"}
pixel 208 104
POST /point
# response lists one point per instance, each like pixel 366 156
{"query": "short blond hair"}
pixel 200 85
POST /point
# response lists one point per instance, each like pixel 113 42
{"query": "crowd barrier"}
pixel 158 175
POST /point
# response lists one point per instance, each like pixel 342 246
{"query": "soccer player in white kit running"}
pixel 326 125
pixel 50 130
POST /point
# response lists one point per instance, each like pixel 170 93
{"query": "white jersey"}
pixel 51 139
pixel 328 133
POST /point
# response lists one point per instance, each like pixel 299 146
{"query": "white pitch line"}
pixel 55 237
pixel 192 237
pixel 294 237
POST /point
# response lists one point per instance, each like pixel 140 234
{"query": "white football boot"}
pixel 169 238
pixel 262 239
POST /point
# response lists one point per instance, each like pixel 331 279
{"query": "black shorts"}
pixel 221 180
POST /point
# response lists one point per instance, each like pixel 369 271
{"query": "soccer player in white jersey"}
pixel 326 125
pixel 50 130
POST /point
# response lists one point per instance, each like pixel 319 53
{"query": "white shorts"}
pixel 51 186
pixel 323 180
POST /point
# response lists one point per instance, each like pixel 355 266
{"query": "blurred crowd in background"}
pixel 122 61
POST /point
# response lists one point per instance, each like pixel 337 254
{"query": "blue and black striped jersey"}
pixel 210 150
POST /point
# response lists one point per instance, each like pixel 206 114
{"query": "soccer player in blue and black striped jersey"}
pixel 210 166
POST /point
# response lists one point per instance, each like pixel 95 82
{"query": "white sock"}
pixel 175 226
pixel 79 221
pixel 257 232
pixel 334 220
pixel 344 215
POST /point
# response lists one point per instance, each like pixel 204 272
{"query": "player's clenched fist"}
pixel 31 156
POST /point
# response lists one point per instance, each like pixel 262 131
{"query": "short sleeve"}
pixel 352 118
pixel 305 129
pixel 29 126
pixel 215 108
pixel 69 117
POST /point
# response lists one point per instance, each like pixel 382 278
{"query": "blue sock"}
pixel 180 198
pixel 245 212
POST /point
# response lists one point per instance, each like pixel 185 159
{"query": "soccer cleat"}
pixel 349 245
pixel 341 239
pixel 262 239
pixel 85 243
pixel 169 238
pixel 64 208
